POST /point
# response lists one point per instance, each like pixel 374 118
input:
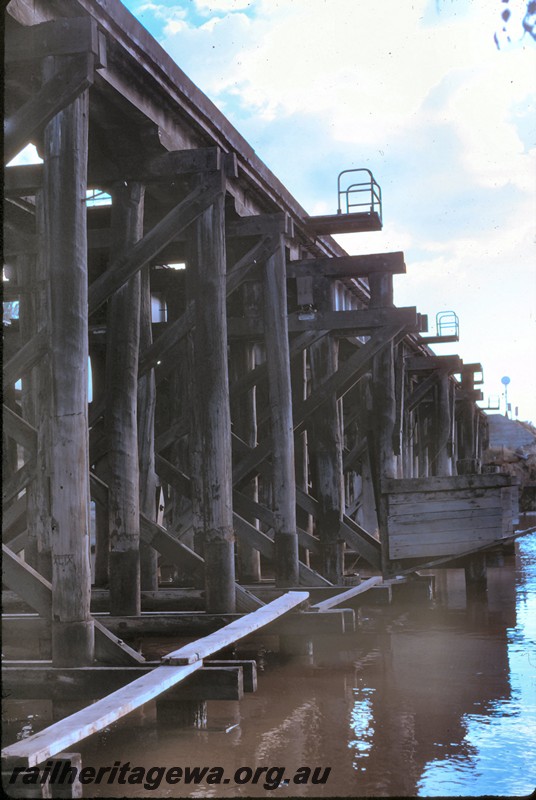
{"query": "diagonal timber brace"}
pixel 178 329
pixel 17 428
pixel 339 383
pixel 170 547
pixel 243 529
pixel 37 592
pixel 74 76
pixel 26 358
pixel 182 215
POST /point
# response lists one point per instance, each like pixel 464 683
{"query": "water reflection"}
pixel 503 739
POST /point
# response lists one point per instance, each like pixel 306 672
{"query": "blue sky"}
pixel 419 93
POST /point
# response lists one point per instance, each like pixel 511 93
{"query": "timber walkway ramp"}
pixel 154 681
pixel 176 667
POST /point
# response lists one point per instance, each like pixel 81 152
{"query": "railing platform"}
pixel 358 222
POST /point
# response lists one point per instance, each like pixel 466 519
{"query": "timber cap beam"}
pixel 359 322
pixel 421 363
pixel 261 225
pixel 348 266
pixel 468 368
pixel 59 37
pixel 26 179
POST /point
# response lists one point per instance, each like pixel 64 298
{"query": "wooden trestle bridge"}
pixel 262 418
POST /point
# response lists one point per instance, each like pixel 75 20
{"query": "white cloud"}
pixel 210 6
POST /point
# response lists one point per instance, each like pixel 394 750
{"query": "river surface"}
pixel 426 699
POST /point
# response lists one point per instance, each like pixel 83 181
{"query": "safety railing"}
pixel 447 323
pixel 361 195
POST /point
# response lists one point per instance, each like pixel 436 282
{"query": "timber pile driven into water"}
pixel 263 418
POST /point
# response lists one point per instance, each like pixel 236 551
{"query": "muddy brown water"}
pixel 426 699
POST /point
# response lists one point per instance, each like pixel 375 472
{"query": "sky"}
pixel 418 92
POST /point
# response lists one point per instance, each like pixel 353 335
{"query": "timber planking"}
pixel 445 515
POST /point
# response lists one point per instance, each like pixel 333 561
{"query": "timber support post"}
pixel 146 446
pixel 384 408
pixel 245 420
pixel 442 461
pixel 123 336
pixel 212 417
pixel 468 463
pixel 326 445
pixel 280 395
pixel 64 196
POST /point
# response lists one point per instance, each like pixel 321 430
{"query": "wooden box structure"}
pixel 448 516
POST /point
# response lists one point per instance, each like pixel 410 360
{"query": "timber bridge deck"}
pixel 263 417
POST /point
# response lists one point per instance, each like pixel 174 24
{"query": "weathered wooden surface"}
pixel 244 414
pixel 343 597
pixel 447 515
pixel 122 347
pixel 72 76
pixel 26 358
pixel 178 665
pixel 216 681
pixel 146 445
pixel 282 436
pixel 19 429
pixel 236 630
pixel 64 189
pixel 212 486
pixel 99 715
pixel 37 593
pixel 347 266
pixel 325 445
pixel 184 213
pixel 145 103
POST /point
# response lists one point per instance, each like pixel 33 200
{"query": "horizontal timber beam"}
pixel 26 179
pixel 260 225
pixel 420 363
pixel 347 266
pixel 359 322
pixel 59 37
pixel 46 682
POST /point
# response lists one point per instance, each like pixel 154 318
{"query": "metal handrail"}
pixel 447 323
pixel 370 187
